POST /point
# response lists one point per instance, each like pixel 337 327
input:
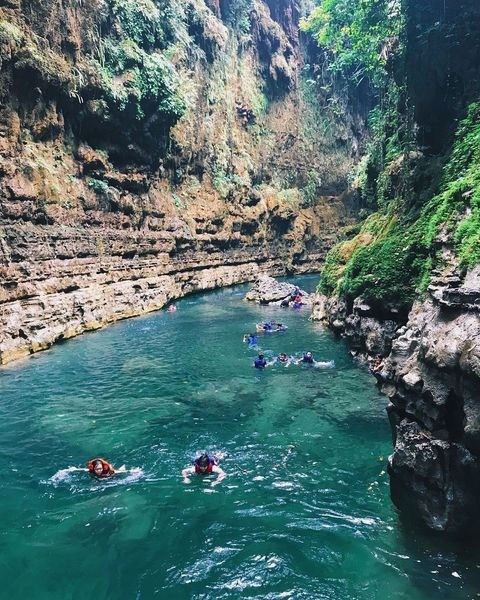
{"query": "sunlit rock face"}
pixel 154 149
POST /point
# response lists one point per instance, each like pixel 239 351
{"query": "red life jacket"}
pixel 207 471
pixel 107 468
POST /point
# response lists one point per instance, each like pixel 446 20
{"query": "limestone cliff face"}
pixel 151 149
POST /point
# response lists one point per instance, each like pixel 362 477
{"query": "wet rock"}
pixel 431 376
pixel 435 480
pixel 268 290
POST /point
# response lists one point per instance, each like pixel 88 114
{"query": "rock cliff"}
pixel 406 283
pixel 431 374
pixel 152 149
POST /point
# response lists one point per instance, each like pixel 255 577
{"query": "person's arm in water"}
pixel 185 474
pixel 221 475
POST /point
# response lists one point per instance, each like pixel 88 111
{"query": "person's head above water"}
pixel 98 467
pixel 282 357
pixel 307 358
pixel 203 462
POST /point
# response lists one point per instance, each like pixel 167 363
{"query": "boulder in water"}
pixel 267 290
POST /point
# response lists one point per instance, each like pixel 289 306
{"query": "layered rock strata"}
pixel 153 149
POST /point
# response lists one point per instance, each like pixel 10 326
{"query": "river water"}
pixel 304 512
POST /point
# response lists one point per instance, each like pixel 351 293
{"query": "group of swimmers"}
pixel 204 464
pixel 296 299
pixel 307 359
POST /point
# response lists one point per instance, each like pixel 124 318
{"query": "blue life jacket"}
pixel 260 363
pixel 252 340
pixel 307 359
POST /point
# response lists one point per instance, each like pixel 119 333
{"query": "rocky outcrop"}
pixel 268 290
pixel 365 331
pixel 433 382
pixel 431 375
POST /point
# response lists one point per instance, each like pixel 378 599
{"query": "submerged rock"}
pixel 268 290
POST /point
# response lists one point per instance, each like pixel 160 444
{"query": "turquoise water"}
pixel 304 512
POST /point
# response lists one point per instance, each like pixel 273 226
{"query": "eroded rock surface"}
pixel 268 290
pixel 140 163
pixel 431 375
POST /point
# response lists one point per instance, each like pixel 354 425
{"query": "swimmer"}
pixel 307 359
pixel 280 359
pixel 265 327
pixel 100 468
pixel 260 362
pixel 281 327
pixel 250 339
pixel 172 308
pixel 204 465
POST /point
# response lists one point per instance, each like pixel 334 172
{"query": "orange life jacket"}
pixel 107 468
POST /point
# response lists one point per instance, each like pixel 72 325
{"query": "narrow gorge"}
pixel 154 148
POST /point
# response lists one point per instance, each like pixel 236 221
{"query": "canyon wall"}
pixel 405 284
pixel 152 149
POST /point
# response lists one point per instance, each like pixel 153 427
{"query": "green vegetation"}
pixel 390 256
pixel 309 192
pixel 238 14
pixel 137 77
pixel 390 259
pixel 98 186
pixel 139 83
pixel 358 34
pixel 139 20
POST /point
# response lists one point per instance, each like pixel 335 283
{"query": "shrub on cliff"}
pixel 358 35
pixel 391 258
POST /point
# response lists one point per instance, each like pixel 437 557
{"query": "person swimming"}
pixel 250 339
pixel 307 359
pixel 280 359
pixel 260 362
pixel 172 308
pixel 271 326
pixel 204 465
pixel 100 468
